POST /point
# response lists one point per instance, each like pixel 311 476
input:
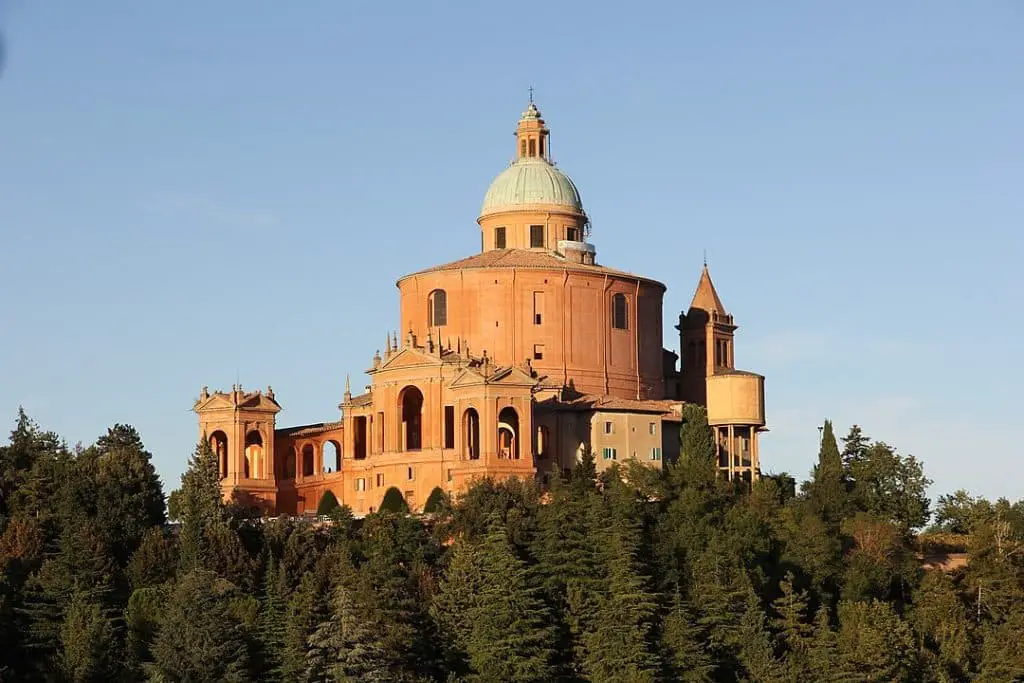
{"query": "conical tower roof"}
pixel 706 298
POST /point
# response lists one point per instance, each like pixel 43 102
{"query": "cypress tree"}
pixel 394 502
pixel 826 491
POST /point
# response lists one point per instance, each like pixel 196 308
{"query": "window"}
pixel 608 453
pixel 609 427
pixel 522 147
pixel 620 312
pixel 499 238
pixel 656 453
pixel 437 308
pixel 538 352
pixel 409 474
pixel 533 148
pixel 652 428
pixel 360 484
pixel 541 145
pixel 449 426
pixel 571 235
pixel 536 236
pixel 380 480
pixel 450 477
pixel 538 307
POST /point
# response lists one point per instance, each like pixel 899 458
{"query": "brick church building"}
pixel 510 362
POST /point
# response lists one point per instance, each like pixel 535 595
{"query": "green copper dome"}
pixel 530 181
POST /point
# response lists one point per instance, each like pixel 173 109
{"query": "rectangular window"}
pixel 380 432
pixel 499 238
pixel 609 427
pixel 538 352
pixel 360 484
pixel 380 480
pixel 538 307
pixel 656 453
pixel 571 235
pixel 449 426
pixel 652 428
pixel 409 474
pixel 536 236
pixel 608 453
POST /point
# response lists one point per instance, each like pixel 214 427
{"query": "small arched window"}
pixel 620 312
pixel 522 147
pixel 533 148
pixel 437 308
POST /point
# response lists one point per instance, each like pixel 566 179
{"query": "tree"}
pixel 154 561
pixel 394 502
pixel 200 638
pixel 826 491
pixel 87 643
pixel 892 487
pixel 271 624
pixel 510 636
pixel 200 504
pixel 129 496
pixel 874 644
pixel 328 504
pixel 436 501
pixel 697 462
pixel 941 623
pixel 954 513
pixel 855 446
pixel 345 647
pixel 681 639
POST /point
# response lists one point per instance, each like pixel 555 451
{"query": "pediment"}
pixel 409 358
pixel 223 401
pixel 512 376
pixel 468 378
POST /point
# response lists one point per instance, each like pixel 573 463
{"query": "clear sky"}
pixel 193 192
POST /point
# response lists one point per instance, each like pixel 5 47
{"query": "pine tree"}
pixel 823 651
pixel 271 622
pixel 510 636
pixel 855 446
pixel 617 641
pixel 200 505
pixel 755 650
pixel 682 643
pixel 87 643
pixel 942 626
pixel 456 596
pixel 791 624
pixel 307 609
pixel 345 647
pixel 199 637
pixel 874 644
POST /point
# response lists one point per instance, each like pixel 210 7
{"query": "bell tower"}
pixel 239 426
pixel 734 398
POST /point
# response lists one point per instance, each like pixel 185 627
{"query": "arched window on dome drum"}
pixel 437 308
pixel 620 312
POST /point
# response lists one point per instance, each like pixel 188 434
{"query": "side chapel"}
pixel 510 362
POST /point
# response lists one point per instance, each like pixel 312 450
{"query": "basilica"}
pixel 511 362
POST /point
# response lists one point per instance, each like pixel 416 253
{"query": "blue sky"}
pixel 192 192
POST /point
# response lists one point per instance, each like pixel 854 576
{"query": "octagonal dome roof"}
pixel 531 181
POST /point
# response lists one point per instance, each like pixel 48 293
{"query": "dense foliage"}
pixel 632 575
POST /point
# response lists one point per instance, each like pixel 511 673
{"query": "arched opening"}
pixel 437 308
pixel 508 432
pixel 254 455
pixel 219 445
pixel 410 403
pixel 541 143
pixel 620 312
pixel 533 148
pixel 522 147
pixel 307 460
pixel 332 456
pixel 471 434
pixel 543 438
